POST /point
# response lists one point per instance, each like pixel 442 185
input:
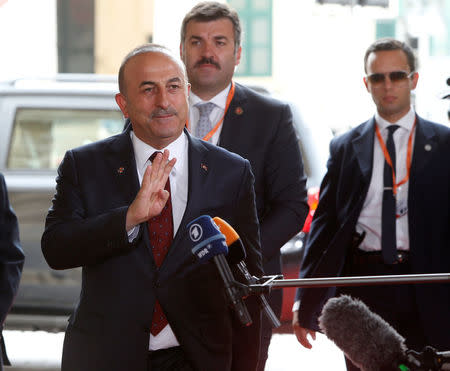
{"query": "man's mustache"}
pixel 206 60
pixel 164 112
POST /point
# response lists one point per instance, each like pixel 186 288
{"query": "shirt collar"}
pixel 406 122
pixel 143 151
pixel 219 100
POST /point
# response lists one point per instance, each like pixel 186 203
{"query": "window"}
pixel 256 20
pixel 385 28
pixel 41 137
pixel 76 35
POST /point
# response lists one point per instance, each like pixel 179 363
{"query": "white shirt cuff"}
pixel 133 233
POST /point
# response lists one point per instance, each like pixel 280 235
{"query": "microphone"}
pixel 370 342
pixel 365 338
pixel 236 255
pixel 236 249
pixel 209 244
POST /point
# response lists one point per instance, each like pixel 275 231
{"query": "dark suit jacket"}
pixel 342 194
pixel 11 256
pixel 260 129
pixel 85 227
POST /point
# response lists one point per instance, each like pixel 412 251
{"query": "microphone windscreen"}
pixel 228 231
pixel 206 238
pixel 365 338
pixel 236 250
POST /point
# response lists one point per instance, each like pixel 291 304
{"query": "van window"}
pixel 41 137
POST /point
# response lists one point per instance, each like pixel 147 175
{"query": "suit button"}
pixel 146 329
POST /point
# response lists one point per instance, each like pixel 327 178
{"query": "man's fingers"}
pixel 301 334
pixel 168 168
pixel 161 168
pixel 159 163
pixel 146 182
pixel 156 164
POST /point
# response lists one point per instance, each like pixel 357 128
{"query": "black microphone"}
pixel 209 243
pixel 365 338
pixel 236 255
pixel 371 343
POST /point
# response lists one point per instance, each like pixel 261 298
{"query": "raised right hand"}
pixel 152 196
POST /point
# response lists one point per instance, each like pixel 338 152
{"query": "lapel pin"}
pixel 120 170
pixel 239 111
pixel 428 147
pixel 204 167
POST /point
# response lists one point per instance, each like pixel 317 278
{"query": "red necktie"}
pixel 160 230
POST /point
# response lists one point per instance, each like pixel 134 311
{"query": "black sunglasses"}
pixel 394 76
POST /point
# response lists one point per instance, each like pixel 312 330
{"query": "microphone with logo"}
pixel 370 342
pixel 236 256
pixel 209 244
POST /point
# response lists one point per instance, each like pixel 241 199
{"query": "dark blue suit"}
pixel 11 258
pixel 342 194
pixel 260 129
pixel 109 329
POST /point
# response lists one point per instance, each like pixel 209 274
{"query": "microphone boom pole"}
pixel 350 281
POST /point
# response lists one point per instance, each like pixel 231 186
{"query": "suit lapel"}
pixel 363 148
pixel 122 164
pixel 198 173
pixel 425 145
pixel 235 117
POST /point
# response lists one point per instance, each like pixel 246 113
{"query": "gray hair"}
pixel 149 48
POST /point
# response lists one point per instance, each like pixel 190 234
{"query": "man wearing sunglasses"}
pixel 384 209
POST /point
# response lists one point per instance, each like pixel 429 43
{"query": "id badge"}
pixel 402 207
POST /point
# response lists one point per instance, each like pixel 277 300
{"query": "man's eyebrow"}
pixel 216 37
pixel 143 83
pixel 152 83
pixel 174 79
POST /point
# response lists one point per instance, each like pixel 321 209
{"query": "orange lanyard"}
pixel 216 127
pixel 388 158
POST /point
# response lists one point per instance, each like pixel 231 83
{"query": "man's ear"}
pixel 121 101
pixel 414 80
pixel 238 56
pixel 366 84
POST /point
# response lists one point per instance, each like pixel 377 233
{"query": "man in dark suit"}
pixel 395 156
pixel 11 261
pixel 146 303
pixel 256 127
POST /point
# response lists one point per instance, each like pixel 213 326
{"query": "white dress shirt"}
pixel 220 101
pixel 178 178
pixel 369 220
